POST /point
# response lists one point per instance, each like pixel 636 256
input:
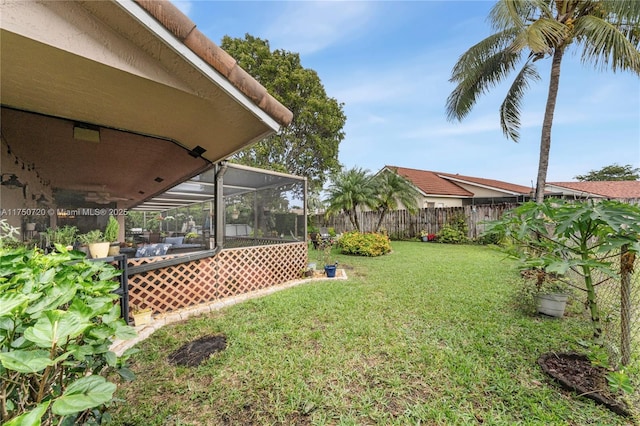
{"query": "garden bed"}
pixel 576 373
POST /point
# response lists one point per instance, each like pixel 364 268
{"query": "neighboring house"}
pixel 437 189
pixel 624 190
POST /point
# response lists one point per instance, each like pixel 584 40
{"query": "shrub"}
pixel 57 321
pixel 455 231
pixel 360 244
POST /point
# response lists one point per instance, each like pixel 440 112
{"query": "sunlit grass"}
pixel 428 334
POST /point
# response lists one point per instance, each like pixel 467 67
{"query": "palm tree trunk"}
pixel 383 213
pixel 545 139
pixel 355 217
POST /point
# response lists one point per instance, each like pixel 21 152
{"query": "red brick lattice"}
pixel 230 273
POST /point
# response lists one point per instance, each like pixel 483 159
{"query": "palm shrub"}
pixel 57 321
pixel 364 244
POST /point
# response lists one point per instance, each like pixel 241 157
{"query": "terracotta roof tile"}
pixel 492 183
pixel 430 183
pixel 609 189
pixel 185 30
pixel 437 183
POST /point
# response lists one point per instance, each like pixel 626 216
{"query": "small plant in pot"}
pixel 330 265
pixel 548 291
pixel 64 236
pixel 111 236
pixel 98 247
pixel 141 316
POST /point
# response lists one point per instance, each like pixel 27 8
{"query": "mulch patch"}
pixel 193 353
pixel 576 373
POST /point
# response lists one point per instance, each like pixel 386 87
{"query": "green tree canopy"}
pixel 309 145
pixel 606 34
pixel 612 172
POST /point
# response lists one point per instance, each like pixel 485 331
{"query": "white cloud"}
pixel 308 27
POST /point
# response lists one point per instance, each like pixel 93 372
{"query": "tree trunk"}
pixel 545 138
pixel 383 213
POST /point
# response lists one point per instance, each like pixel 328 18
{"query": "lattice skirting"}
pixel 231 272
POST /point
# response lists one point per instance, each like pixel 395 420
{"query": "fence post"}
pixel 627 259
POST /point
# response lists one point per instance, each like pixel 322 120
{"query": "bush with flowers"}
pixel 364 244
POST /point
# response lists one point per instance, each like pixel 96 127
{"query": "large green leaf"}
pixel 31 418
pixel 25 361
pixel 10 301
pixel 55 326
pixel 57 295
pixel 84 393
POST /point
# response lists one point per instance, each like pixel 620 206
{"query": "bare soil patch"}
pixel 193 353
pixel 576 373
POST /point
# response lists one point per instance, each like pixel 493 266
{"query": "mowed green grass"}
pixel 429 334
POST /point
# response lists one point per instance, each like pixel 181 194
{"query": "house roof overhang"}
pixel 157 101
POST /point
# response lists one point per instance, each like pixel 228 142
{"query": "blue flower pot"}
pixel 330 270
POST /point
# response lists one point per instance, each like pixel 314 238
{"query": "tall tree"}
pixel 606 34
pixel 612 172
pixel 309 145
pixel 349 190
pixel 392 191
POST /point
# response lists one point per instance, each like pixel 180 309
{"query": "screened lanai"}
pixel 229 205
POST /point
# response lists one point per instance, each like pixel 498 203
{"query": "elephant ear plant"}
pixel 58 317
pixel 558 236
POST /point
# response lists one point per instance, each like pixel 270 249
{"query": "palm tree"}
pixel 348 190
pixel 605 32
pixel 393 190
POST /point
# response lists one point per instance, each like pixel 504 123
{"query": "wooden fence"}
pixel 400 224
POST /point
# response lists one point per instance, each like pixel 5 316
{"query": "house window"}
pixel 430 205
pixel 439 205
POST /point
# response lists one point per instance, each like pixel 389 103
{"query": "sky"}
pixel 389 64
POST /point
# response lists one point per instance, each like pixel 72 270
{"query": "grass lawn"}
pixel 428 334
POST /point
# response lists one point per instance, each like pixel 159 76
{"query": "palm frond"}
pixel 477 54
pixel 605 46
pixel 511 107
pixel 478 80
pixel 517 13
pixel 544 35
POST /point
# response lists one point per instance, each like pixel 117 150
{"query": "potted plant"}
pixel 64 235
pixel 111 236
pixel 550 291
pixel 330 266
pixel 141 316
pixel 98 247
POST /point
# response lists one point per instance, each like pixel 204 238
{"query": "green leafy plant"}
pixel 364 244
pixel 455 231
pixel 112 230
pixel 91 237
pixel 619 381
pixel 559 236
pixel 57 321
pixel 63 235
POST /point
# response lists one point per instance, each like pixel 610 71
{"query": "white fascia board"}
pixel 213 75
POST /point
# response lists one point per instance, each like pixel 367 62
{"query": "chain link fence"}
pixel 618 299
